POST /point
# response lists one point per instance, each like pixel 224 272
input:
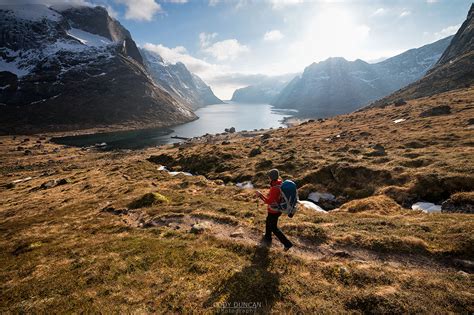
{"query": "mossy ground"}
pixel 62 253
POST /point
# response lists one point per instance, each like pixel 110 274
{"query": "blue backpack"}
pixel 288 198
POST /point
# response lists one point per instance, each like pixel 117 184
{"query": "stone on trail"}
pixel 237 233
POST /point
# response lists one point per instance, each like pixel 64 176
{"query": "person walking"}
pixel 271 223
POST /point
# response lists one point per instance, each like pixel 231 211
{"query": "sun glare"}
pixel 333 32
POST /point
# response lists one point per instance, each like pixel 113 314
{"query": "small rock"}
pixel 27 152
pixel 342 254
pixel 232 130
pixel 237 233
pixel 437 111
pixel 63 181
pixel 343 271
pixel 255 152
pixel 49 184
pixel 467 264
pixel 266 136
pixel 197 228
pixel 378 150
pixel 463 274
pixel 219 182
pixel 399 102
pixel 225 142
pixel 112 210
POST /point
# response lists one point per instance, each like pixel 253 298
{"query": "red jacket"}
pixel 273 196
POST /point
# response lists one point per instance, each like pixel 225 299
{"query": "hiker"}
pixel 273 197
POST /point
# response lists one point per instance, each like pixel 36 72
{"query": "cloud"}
pixel 405 13
pixel 206 38
pixel 140 10
pixel 213 3
pixel 379 12
pixel 176 1
pixel 228 49
pixel 274 35
pixel 111 11
pixel 431 1
pixel 445 32
pixel 281 4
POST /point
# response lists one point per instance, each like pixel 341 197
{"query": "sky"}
pixel 235 43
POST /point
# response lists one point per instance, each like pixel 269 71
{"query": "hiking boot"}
pixel 287 248
pixel 265 242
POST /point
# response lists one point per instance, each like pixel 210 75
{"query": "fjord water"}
pixel 212 119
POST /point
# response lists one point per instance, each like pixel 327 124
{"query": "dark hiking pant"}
pixel 271 226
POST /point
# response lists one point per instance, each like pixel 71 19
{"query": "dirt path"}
pixel 302 248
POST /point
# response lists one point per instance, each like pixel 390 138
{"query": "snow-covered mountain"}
pixel 68 67
pixel 263 92
pixel 337 86
pixel 177 80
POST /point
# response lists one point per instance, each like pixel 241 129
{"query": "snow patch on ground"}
pixel 163 168
pixel 87 38
pixel 311 206
pixel 13 68
pixel 245 185
pixel 427 207
pixel 32 12
pixel 399 120
pixel 315 196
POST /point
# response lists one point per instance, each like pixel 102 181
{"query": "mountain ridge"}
pixel 61 77
pixel 336 86
pixel 177 80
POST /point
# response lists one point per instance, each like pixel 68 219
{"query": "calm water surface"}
pixel 212 119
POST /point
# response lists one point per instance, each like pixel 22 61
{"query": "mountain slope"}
pixel 337 86
pixel 177 80
pixel 263 92
pixel 454 70
pixel 75 68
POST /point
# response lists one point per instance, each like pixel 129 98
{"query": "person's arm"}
pixel 261 196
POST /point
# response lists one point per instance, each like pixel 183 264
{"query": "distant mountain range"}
pixel 177 80
pixel 337 86
pixel 263 92
pixel 75 67
pixel 454 70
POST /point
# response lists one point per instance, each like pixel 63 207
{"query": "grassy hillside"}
pixel 107 231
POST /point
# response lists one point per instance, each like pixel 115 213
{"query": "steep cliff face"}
pixel 73 68
pixel 177 80
pixel 454 69
pixel 337 86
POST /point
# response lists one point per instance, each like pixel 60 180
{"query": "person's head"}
pixel 273 174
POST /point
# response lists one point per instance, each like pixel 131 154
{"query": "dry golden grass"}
pixel 61 252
